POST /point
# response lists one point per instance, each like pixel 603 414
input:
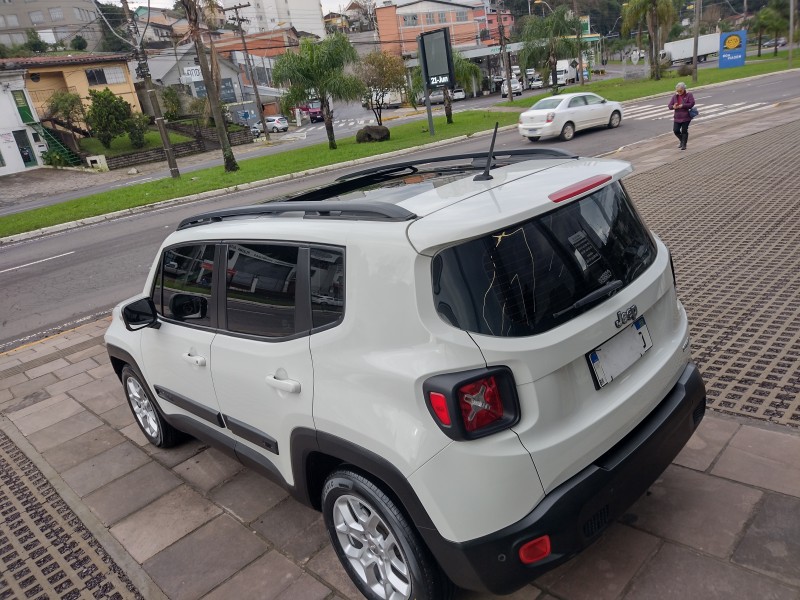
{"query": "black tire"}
pixel 568 131
pixel 146 412
pixel 615 120
pixel 274 130
pixel 348 497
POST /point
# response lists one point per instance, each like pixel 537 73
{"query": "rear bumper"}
pixel 578 511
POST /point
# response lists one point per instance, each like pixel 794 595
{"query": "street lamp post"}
pixel 542 2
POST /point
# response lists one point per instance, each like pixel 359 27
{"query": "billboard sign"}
pixel 436 59
pixel 732 47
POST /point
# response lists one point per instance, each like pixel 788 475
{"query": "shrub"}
pixel 685 70
pixel 172 103
pixel 138 125
pixel 78 43
pixel 108 115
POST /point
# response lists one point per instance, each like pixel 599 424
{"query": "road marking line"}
pixel 36 262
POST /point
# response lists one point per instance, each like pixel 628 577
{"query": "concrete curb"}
pixel 238 188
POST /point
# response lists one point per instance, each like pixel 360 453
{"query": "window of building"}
pixel 430 18
pixel 12 21
pixel 18 39
pixel 410 20
pixel 78 13
pixel 260 289
pixel 36 16
pixel 461 15
pixel 442 17
pixel 182 290
pixel 106 76
pixel 5 39
pixel 56 14
pixel 2 21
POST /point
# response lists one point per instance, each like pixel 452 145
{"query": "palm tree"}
pixel 317 70
pixel 194 10
pixel 772 21
pixel 659 16
pixel 546 39
pixel 466 73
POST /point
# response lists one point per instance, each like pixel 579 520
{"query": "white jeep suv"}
pixel 499 368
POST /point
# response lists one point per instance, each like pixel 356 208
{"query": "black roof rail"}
pixel 498 156
pixel 334 209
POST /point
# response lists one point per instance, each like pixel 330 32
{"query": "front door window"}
pixel 25 148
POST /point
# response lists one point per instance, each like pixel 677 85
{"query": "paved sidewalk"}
pixel 720 523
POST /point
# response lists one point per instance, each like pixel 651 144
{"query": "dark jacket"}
pixel 681 114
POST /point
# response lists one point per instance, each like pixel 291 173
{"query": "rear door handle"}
pixel 198 361
pixel 287 385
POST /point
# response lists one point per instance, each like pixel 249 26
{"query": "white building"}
pixel 267 15
pixel 21 144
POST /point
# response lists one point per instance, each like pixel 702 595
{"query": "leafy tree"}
pixel 78 43
pixel 138 125
pixel 774 23
pixel 195 9
pixel 68 107
pixel 466 72
pixel 381 73
pixel 317 70
pixel 172 103
pixel 108 115
pixel 545 40
pixel 756 26
pixel 35 43
pixel 658 15
pixel 116 19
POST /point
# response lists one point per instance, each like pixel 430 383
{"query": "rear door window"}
pixel 260 289
pixel 526 279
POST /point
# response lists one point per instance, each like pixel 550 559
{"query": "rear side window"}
pixel 327 286
pixel 182 288
pixel 260 289
pixel 526 279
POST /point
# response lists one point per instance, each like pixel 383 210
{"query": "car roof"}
pixel 434 215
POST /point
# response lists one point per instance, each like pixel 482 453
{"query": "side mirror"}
pixel 140 314
pixel 188 306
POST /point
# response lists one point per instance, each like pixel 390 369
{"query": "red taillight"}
pixel 550 117
pixel 467 405
pixel 439 406
pixel 480 403
pixel 535 550
pixel 576 189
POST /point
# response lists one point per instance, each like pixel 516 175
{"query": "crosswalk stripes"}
pixel 347 123
pixel 659 112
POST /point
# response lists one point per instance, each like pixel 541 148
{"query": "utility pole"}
pixel 143 71
pixel 697 12
pixel 580 49
pixel 501 31
pixel 259 108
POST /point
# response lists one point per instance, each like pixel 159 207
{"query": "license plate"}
pixel 612 358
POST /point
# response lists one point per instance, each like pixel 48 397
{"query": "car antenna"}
pixel 489 158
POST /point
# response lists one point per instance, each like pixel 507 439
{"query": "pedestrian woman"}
pixel 680 104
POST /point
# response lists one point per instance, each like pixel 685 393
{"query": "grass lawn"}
pixel 620 90
pixel 407 135
pixel 122 144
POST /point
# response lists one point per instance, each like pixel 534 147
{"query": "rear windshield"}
pixel 546 103
pixel 533 276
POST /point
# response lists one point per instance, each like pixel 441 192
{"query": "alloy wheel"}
pixel 371 548
pixel 143 409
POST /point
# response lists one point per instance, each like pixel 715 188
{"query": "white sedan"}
pixel 563 115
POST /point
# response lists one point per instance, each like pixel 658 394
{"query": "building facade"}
pixel 21 143
pixel 399 24
pixel 269 15
pixel 54 21
pixel 78 74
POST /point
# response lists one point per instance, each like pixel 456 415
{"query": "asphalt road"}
pixel 54 282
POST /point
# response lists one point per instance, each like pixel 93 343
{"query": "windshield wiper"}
pixel 599 294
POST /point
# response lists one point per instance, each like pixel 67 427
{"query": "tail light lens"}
pixel 535 550
pixel 550 117
pixel 473 404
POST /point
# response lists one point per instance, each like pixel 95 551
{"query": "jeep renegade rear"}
pixel 470 365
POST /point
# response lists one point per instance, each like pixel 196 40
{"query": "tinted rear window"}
pixel 525 279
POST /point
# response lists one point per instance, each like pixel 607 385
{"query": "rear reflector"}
pixel 535 550
pixel 439 406
pixel 576 189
